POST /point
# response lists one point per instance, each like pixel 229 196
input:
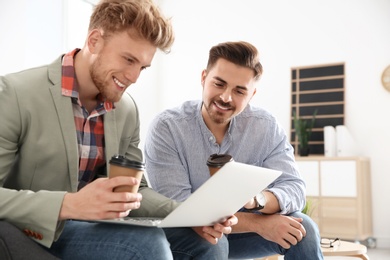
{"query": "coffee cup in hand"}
pixel 216 161
pixel 121 166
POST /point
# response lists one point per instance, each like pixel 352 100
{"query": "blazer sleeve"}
pixel 33 211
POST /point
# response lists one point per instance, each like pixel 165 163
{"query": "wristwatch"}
pixel 260 201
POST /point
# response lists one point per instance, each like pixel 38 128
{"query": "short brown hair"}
pixel 141 15
pixel 240 53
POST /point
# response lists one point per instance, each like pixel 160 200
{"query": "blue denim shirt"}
pixel 179 143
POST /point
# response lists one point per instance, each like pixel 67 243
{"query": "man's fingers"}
pixel 122 180
pixel 299 229
pixel 211 239
pixel 233 220
pixel 297 219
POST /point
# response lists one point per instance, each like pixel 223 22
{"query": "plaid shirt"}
pixel 89 127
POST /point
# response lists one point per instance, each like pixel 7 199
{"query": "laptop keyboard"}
pixel 142 220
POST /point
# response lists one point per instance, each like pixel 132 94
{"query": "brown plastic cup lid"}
pixel 218 160
pixel 122 161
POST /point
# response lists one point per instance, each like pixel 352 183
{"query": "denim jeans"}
pixel 84 240
pixel 251 245
pixel 187 244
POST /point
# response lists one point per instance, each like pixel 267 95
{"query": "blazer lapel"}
pixel 110 135
pixel 64 111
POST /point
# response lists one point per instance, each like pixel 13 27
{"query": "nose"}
pixel 132 74
pixel 226 96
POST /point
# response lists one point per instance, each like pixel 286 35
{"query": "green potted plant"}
pixel 309 207
pixel 303 129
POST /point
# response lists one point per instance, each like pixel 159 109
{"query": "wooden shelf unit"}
pixel 339 189
pixel 317 88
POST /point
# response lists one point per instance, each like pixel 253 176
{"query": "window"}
pixel 318 88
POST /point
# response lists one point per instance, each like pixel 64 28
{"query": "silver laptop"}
pixel 219 197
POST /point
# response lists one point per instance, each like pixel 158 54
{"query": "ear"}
pixel 203 77
pixel 254 92
pixel 94 41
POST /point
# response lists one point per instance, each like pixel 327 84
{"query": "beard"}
pixel 96 71
pixel 217 116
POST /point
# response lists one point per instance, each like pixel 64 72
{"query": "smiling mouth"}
pixel 222 107
pixel 118 83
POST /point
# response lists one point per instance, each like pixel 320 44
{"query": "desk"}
pixel 347 249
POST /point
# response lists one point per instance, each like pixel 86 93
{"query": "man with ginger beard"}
pixel 59 126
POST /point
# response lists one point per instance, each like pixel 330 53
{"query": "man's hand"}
pixel 213 233
pixel 284 230
pixel 98 201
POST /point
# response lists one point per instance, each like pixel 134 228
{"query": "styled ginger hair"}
pixel 240 53
pixel 143 16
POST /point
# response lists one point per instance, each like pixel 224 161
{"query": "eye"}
pixel 129 60
pixel 218 84
pixel 240 91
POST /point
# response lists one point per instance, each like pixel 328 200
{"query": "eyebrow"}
pixel 135 59
pixel 238 86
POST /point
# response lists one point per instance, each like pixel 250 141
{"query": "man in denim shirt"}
pixel 180 140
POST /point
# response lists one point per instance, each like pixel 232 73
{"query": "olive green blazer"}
pixel 39 152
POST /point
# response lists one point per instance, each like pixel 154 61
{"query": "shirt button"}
pixel 211 138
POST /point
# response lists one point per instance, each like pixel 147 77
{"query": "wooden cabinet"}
pixel 339 190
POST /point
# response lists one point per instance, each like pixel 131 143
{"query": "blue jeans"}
pixel 251 245
pixel 84 240
pixel 187 244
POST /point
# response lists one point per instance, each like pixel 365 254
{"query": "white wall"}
pixel 287 34
pixel 30 35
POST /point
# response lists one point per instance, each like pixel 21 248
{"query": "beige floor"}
pixel 378 253
pixel 372 253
